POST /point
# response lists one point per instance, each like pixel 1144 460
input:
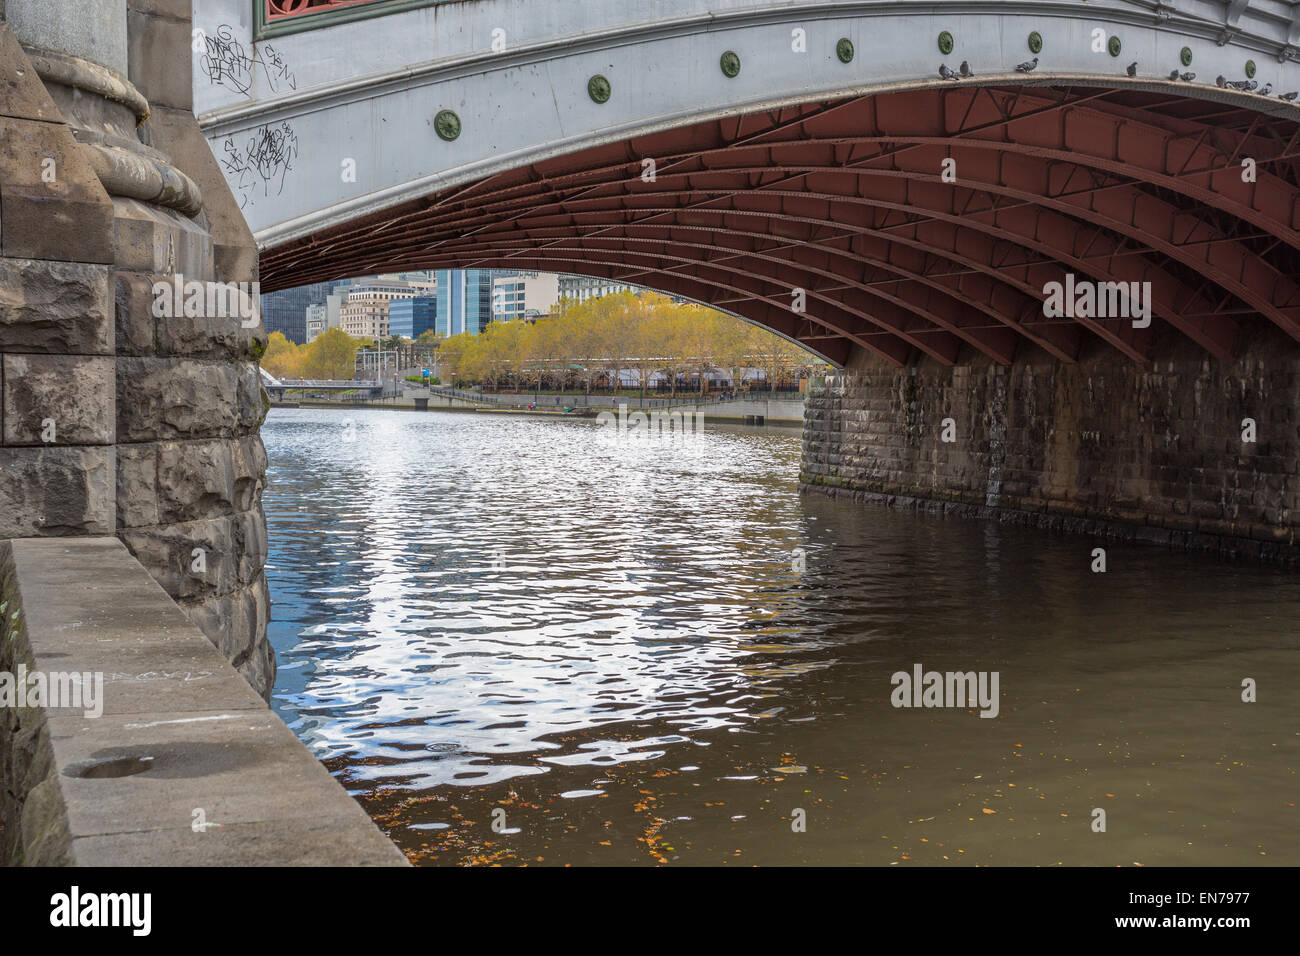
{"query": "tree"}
pixel 282 358
pixel 331 355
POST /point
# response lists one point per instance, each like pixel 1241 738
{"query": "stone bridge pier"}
pixel 1186 450
pixel 116 421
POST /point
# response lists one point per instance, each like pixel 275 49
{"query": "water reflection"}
pixel 609 638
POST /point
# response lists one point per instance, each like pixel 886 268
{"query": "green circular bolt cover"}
pixel 447 125
pixel 598 89
pixel 1035 42
pixel 1186 56
pixel 730 63
pixel 844 49
pixel 945 42
pixel 1114 46
pixel 1250 69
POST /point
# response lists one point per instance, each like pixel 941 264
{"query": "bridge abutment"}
pixel 1104 446
pixel 117 421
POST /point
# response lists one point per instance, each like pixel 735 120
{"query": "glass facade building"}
pixel 286 311
pixel 412 317
pixel 464 301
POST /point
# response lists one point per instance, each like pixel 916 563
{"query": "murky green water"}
pixel 523 641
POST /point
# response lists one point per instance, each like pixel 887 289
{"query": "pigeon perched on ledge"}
pixel 1267 90
pixel 1133 68
pixel 1220 82
pixel 965 69
pixel 1173 75
pixel 946 73
pixel 1187 77
pixel 1289 97
pixel 1027 66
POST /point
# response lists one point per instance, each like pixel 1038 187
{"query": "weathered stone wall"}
pixel 34 829
pixel 56 318
pixel 1104 446
pixel 155 420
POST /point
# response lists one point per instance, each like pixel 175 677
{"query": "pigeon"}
pixel 1173 75
pixel 1250 86
pixel 965 69
pixel 1187 77
pixel 1289 97
pixel 946 73
pixel 1220 82
pixel 1267 90
pixel 1027 66
pixel 1133 68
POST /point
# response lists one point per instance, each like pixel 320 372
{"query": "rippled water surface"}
pixel 530 641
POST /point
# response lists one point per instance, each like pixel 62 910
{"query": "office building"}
pixel 286 311
pixel 365 313
pixel 317 320
pixel 464 301
pixel 412 317
pixel 524 295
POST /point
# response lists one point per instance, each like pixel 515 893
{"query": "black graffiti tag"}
pixel 226 63
pixel 258 167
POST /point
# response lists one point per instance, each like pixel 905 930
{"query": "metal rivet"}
pixel 844 49
pixel 1250 69
pixel 447 125
pixel 1035 42
pixel 730 63
pixel 945 42
pixel 598 88
pixel 1114 46
pixel 1186 56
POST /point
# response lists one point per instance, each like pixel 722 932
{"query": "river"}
pixel 525 641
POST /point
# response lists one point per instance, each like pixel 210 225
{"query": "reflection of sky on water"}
pixel 616 622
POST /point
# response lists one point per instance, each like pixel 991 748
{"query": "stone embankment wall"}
pixel 1104 446
pixel 144 746
pixel 116 421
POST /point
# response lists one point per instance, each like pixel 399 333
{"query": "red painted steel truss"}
pixel 846 201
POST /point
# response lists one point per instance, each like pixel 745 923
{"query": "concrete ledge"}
pixel 183 740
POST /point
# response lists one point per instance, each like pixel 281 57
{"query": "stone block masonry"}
pixel 1105 447
pixel 114 420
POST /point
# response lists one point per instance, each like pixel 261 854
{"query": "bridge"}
pixel 276 387
pixel 1051 248
pixel 911 190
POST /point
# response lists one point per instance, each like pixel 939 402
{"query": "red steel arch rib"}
pixel 844 200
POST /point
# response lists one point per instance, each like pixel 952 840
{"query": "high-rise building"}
pixel 464 301
pixel 524 295
pixel 412 317
pixel 286 311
